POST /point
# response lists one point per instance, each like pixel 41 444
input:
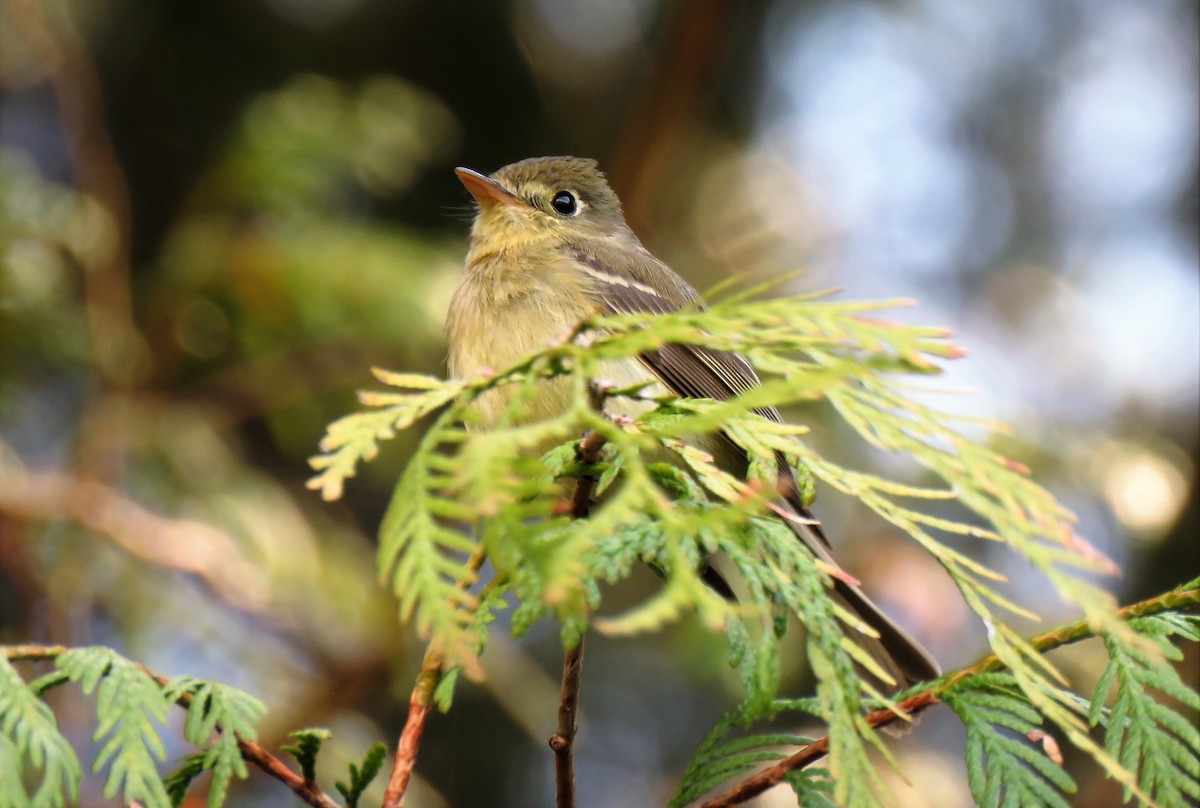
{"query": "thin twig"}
pixel 773 775
pixel 308 791
pixel 420 702
pixel 585 484
pixel 562 742
pixel 419 705
pixel 1184 597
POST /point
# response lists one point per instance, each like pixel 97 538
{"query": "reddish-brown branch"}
pixel 773 775
pixel 1182 598
pixel 419 705
pixel 306 790
pixel 406 751
pixel 420 702
pixel 589 453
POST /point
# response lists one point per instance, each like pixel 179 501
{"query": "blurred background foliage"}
pixel 216 216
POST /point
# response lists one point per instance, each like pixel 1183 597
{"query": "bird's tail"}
pixel 894 650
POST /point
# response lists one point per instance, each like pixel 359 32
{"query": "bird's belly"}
pixel 491 338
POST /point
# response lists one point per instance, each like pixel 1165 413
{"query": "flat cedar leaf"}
pixel 86 666
pixel 180 780
pixel 47 682
pixel 443 694
pixel 355 438
pixel 408 381
pixel 30 741
pixel 12 790
pixel 1003 767
pixel 212 706
pixel 423 561
pixel 129 706
pixel 306 747
pixel 361 777
pixel 1148 736
pixel 813 788
pixel 720 758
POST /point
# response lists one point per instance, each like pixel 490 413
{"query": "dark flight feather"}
pixel 697 372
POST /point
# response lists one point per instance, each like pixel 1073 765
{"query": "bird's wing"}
pixel 698 372
pixel 692 371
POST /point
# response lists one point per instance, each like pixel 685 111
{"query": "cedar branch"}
pixel 1185 597
pixel 310 792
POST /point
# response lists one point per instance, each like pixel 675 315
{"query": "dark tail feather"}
pixel 895 651
pixel 715 581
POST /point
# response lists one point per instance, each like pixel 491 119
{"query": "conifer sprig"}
pixel 673 516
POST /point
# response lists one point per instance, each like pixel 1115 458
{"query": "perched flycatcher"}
pixel 549 248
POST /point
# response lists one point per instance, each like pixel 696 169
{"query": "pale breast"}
pixel 493 323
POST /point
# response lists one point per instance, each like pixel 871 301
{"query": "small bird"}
pixel 550 247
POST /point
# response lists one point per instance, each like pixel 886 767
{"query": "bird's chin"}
pixel 504 228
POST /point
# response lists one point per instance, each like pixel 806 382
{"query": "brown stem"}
pixel 308 791
pixel 773 775
pixel 1183 597
pixel 589 453
pixel 562 742
pixel 420 702
pixel 419 705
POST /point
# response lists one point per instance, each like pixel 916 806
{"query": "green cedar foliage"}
pixel 39 769
pixel 720 758
pixel 1142 731
pixel 217 717
pixel 29 739
pixel 504 490
pixel 306 748
pixel 468 493
pixel 1003 768
pixel 361 776
pixel 131 706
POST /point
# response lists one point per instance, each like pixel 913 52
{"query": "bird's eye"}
pixel 564 202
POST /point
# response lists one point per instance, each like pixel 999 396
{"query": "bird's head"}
pixel 542 199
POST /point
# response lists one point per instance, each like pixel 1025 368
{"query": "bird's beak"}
pixel 487 191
